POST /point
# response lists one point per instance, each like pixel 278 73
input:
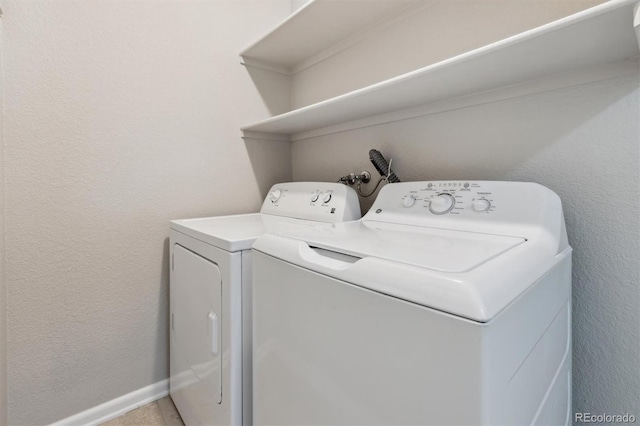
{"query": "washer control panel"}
pixel 441 198
pixel 320 201
pixel 506 208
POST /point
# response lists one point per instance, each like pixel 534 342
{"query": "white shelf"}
pixel 596 36
pixel 317 26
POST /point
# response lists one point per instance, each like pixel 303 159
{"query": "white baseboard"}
pixel 118 406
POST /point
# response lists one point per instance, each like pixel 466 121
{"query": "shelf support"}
pixel 265 136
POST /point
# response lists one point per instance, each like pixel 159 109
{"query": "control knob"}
pixel 409 201
pixel 441 203
pixel 314 196
pixel 275 195
pixel 326 197
pixel 481 205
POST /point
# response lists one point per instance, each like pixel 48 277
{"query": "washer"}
pixel 210 338
pixel 448 303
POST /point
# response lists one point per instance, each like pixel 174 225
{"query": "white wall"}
pixel 3 288
pixel 119 116
pixel 582 141
pixel 297 4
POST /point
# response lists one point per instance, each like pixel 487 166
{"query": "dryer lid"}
pixel 237 232
pixel 437 249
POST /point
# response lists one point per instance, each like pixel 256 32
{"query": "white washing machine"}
pixel 448 303
pixel 210 301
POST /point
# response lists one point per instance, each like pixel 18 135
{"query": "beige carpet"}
pixel 158 413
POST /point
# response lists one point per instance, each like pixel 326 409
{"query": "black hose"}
pixel 382 166
pixel 362 194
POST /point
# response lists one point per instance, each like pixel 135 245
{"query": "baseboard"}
pixel 118 406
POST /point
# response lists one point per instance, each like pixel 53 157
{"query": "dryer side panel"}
pixel 247 343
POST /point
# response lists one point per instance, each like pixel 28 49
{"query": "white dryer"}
pixel 210 296
pixel 448 303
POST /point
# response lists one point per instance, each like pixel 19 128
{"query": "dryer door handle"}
pixel 213 326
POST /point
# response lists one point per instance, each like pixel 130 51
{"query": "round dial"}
pixel 326 197
pixel 481 205
pixel 275 195
pixel 441 203
pixel 314 196
pixel 409 201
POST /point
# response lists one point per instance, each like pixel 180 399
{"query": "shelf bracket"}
pixel 265 136
pixel 255 63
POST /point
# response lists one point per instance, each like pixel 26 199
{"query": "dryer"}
pixel 210 296
pixel 448 303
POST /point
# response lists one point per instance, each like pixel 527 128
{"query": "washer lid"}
pixel 469 274
pixel 237 232
pixel 432 248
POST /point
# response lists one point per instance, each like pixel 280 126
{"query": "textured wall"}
pixel 297 4
pixel 119 116
pixel 3 288
pixel 584 143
